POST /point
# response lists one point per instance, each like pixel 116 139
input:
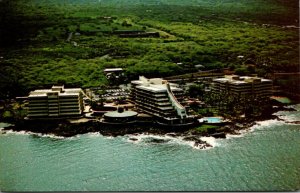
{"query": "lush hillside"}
pixel 274 11
pixel 37 49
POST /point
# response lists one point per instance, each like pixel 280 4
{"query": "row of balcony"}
pixel 154 99
pixel 246 92
pixel 146 103
pixel 158 104
pixel 161 115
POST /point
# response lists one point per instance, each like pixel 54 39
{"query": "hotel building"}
pixel 243 86
pixel 55 102
pixel 159 98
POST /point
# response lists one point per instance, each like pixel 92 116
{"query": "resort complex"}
pixel 55 102
pixel 243 86
pixel 153 97
pixel 159 98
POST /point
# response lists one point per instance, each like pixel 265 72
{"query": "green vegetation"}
pixel 196 90
pixel 71 42
pixel 204 128
pixel 12 110
pixel 228 105
pixel 234 107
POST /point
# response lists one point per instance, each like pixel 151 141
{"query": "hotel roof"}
pixel 123 114
pixel 154 84
pixel 62 92
pixel 233 79
pixel 157 88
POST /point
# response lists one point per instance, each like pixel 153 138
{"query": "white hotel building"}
pixel 159 98
pixel 56 102
pixel 243 86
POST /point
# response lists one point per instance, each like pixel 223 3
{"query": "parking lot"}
pixel 112 94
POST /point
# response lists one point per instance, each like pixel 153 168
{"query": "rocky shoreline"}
pixel 67 128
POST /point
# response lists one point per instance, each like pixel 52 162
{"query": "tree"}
pixel 196 90
pixel 241 71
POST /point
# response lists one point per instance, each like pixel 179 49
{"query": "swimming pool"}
pixel 211 119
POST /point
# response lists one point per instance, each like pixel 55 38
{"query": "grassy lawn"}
pixel 205 128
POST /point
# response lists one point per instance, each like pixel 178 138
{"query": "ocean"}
pixel 264 158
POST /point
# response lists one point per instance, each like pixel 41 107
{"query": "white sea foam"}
pixel 238 135
pixel 50 136
pixel 290 116
pixel 6 132
pixel 258 126
pixel 142 139
pixel 93 134
pixel 210 140
pixel 44 135
pixel 267 123
pixel 181 141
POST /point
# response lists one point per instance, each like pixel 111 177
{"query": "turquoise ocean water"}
pixel 266 158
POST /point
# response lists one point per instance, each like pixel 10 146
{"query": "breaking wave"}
pixel 171 139
pixel 7 132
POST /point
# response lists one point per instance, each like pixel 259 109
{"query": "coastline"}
pixel 68 128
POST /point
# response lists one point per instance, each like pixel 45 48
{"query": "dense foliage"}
pixel 72 41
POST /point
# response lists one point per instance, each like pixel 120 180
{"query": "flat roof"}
pixel 154 84
pixel 113 69
pixel 66 92
pixel 123 114
pixel 243 79
pixel 156 81
pixel 157 88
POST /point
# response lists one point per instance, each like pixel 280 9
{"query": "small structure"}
pixel 56 102
pixel 128 31
pixel 140 35
pixel 113 73
pixel 199 67
pixel 113 70
pixel 120 116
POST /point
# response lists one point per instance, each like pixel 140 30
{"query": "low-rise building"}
pixel 56 102
pixel 159 98
pixel 243 86
pixel 120 116
pixel 113 72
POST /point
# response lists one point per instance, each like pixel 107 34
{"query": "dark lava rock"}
pixel 219 135
pixel 172 134
pixel 156 140
pixel 202 144
pixel 289 109
pixel 190 138
pixel 133 139
pixel 294 122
